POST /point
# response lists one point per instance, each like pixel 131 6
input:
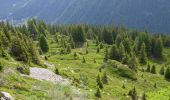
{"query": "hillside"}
pixel 41 61
pixel 138 14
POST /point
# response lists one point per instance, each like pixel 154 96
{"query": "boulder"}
pixel 5 96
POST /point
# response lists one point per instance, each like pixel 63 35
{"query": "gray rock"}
pixel 5 96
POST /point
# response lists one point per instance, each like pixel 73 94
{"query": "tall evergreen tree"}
pixel 106 55
pixel 98 94
pixel 158 48
pixel 44 44
pixel 133 63
pixel 153 69
pixel 114 53
pixel 143 56
pixel 107 36
pixel 105 79
pixel 167 73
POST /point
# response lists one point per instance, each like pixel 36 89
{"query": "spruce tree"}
pixel 99 83
pixel 158 48
pixel 1 67
pixel 44 44
pixel 98 94
pixel 167 73
pixel 106 55
pixel 98 50
pixel 143 56
pixel 83 61
pixel 105 79
pixel 153 69
pixel 68 49
pixel 133 63
pixel 162 71
pixel 148 68
pixel 114 53
pixel 143 96
pixel 122 53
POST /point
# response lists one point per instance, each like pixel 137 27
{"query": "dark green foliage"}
pixel 167 73
pixel 148 68
pixel 143 96
pixel 84 60
pixel 99 83
pixel 94 60
pixel 105 79
pixel 153 69
pixel 43 44
pixel 106 55
pixel 114 53
pixel 75 55
pixel 19 50
pixel 98 94
pixel 127 45
pixel 133 63
pixel 87 51
pixel 98 50
pixel 155 85
pixel 78 34
pixel 143 56
pixel 1 66
pixel 162 71
pixel 133 94
pixel 68 49
pixel 46 58
pixel 118 40
pixel 107 37
pixel 101 45
pixel 157 47
pixel 123 86
pixel 122 53
pixel 56 71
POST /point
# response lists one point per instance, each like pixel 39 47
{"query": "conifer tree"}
pixel 162 71
pixel 99 83
pixel 133 63
pixel 106 55
pixel 84 61
pixel 44 44
pixel 105 79
pixel 94 60
pixel 107 36
pixel 143 96
pixel 98 50
pixel 114 53
pixel 127 45
pixel 68 49
pixel 167 73
pixel 153 69
pixel 143 56
pixel 98 94
pixel 158 48
pixel 122 53
pixel 148 68
pixel 1 67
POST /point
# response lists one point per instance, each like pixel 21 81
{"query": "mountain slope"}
pixel 141 14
